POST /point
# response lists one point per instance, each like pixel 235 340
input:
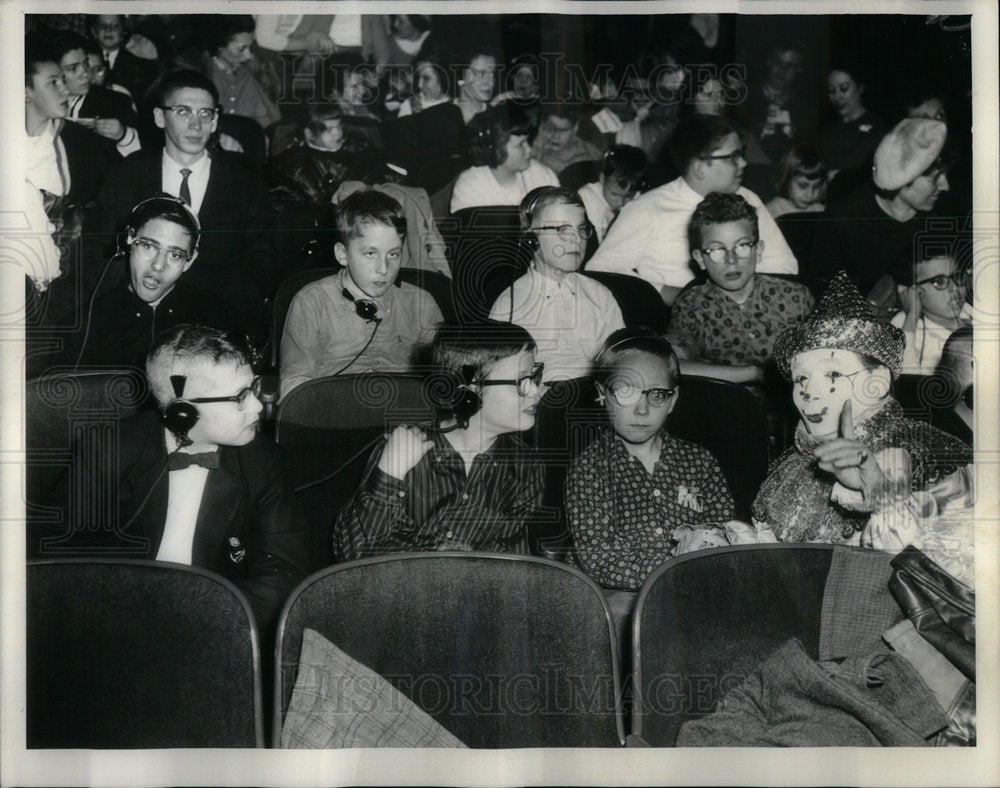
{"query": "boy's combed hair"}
pixel 368 207
pixel 904 268
pixel 177 348
pixel 801 160
pixel 66 41
pixel 625 165
pixel 215 31
pixel 167 208
pixel 697 136
pixel 564 110
pixel 639 338
pixel 37 50
pixel 480 345
pixel 316 116
pixel 720 208
pixel 542 197
pixel 490 131
pixel 183 78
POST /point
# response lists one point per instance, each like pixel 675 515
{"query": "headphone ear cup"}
pixel 465 404
pixel 530 241
pixel 180 416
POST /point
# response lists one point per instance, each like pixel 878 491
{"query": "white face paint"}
pixel 824 379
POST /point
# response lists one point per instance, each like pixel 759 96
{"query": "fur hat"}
pixel 842 321
pixel 907 151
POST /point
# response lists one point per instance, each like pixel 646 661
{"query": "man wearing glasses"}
pixel 568 315
pixel 237 262
pixel 195 482
pixel 649 238
pixel 161 244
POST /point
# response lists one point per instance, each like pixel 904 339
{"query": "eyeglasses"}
pixel 627 395
pixel 184 112
pixel 567 232
pixel 941 281
pixel 720 254
pixel 524 384
pixel 147 250
pixel 241 398
pixel 736 155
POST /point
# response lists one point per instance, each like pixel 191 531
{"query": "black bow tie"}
pixel 178 460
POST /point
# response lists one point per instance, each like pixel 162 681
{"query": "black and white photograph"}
pixel 605 389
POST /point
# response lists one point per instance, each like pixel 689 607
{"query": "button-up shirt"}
pixel 197 180
pixel 710 326
pixel 323 331
pixel 622 516
pixel 438 506
pixel 569 320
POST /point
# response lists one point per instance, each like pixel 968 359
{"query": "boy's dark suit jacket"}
pixel 106 103
pixel 236 259
pixel 133 73
pixel 248 530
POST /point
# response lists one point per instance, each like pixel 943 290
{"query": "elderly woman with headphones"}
pixel 503 171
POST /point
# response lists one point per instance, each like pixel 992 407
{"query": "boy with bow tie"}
pixel 196 484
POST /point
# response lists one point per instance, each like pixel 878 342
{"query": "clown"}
pixel 854 454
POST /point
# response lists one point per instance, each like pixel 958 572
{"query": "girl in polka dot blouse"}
pixel 635 484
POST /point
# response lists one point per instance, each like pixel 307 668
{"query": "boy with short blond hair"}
pixel 361 318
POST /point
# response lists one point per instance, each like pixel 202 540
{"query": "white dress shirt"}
pixel 197 181
pixel 649 238
pixel 186 488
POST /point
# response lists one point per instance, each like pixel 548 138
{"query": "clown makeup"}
pixel 824 379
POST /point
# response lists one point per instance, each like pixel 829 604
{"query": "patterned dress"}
pixel 622 517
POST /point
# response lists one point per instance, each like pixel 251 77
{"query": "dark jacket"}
pixel 236 260
pixel 248 528
pixel 120 329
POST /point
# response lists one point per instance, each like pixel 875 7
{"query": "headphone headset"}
pixel 368 311
pixel 466 402
pixel 170 200
pixel 179 415
pixel 527 215
pixel 121 250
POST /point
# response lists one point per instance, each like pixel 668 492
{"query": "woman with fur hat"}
pixel 854 454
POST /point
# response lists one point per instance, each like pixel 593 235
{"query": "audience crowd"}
pixel 781 219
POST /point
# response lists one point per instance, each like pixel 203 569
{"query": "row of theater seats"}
pixel 330 425
pixel 501 651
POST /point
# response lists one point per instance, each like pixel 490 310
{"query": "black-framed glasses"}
pixel 148 251
pixel 184 112
pixel 569 233
pixel 627 395
pixel 736 155
pixel 241 398
pixel 941 281
pixel 720 254
pixel 523 384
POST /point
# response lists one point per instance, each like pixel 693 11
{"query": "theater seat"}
pixel 139 654
pixel 705 620
pixel 502 651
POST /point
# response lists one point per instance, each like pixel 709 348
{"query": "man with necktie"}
pixel 196 484
pixel 237 262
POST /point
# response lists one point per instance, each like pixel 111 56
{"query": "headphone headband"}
pixel 165 198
